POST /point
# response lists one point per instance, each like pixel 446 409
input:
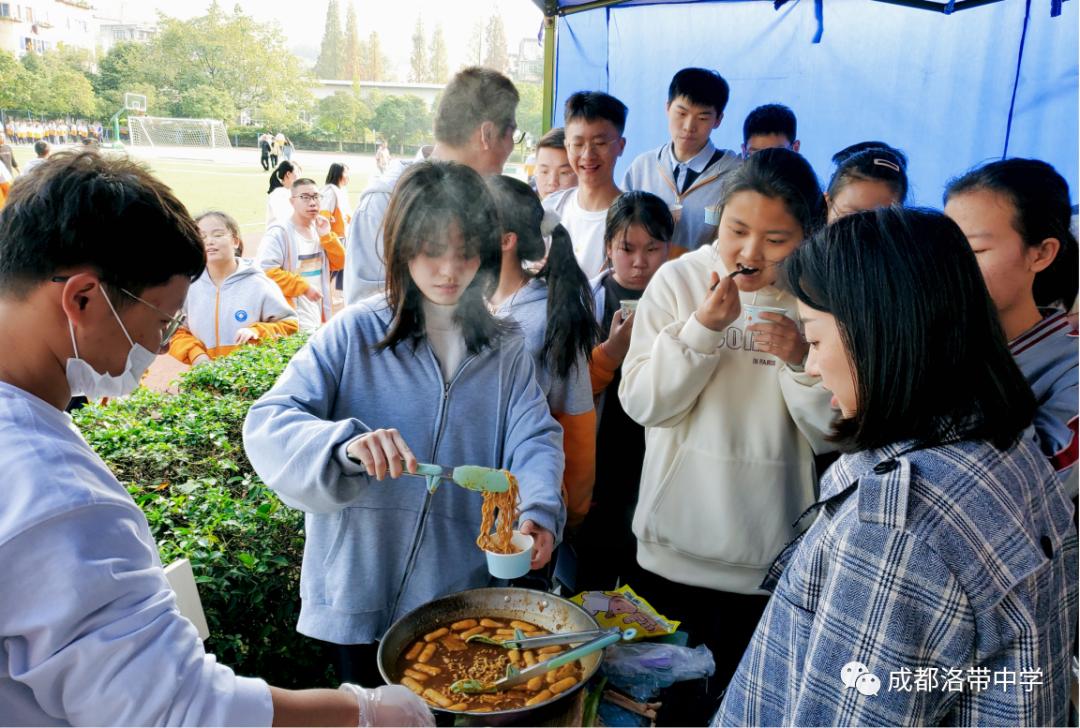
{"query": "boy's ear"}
pixel 622 146
pixel 1042 255
pixel 509 242
pixel 487 134
pixel 719 118
pixel 795 145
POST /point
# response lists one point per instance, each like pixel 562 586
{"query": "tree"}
pixel 418 60
pixel 15 83
pixel 496 55
pixel 353 49
pixel 344 116
pixel 376 64
pixel 403 119
pixel 243 58
pixel 55 88
pixel 531 108
pixel 204 102
pixel 331 61
pixel 440 66
pixel 126 69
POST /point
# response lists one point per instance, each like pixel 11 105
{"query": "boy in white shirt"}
pixel 688 172
pixel 90 633
pixel 593 124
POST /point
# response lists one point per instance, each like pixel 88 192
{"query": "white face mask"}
pixel 86 381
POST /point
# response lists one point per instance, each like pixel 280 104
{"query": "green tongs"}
pixel 471 477
pixel 517 677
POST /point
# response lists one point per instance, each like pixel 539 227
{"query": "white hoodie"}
pixel 247 298
pixel 730 435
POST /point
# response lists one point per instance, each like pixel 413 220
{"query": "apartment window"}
pixel 5 10
pixel 28 14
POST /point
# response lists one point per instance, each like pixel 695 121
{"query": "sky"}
pixel 395 20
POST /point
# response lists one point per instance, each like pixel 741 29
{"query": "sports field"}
pixel 233 180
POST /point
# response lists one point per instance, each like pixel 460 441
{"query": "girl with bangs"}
pixel 426 374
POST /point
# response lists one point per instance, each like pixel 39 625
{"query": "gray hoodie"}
pixel 365 267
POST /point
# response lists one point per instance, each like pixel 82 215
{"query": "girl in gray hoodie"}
pixel 424 374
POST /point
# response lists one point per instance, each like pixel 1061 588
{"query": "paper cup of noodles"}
pixel 676 211
pixel 627 307
pixel 511 566
pixel 752 314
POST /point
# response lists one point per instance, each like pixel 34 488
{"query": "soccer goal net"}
pixel 156 131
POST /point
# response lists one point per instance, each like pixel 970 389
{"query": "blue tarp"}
pixel 940 87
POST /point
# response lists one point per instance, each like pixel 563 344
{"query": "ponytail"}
pixel 571 324
pixel 279 172
pixel 571 321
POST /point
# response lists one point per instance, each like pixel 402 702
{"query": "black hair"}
pixel 1040 198
pixel 638 207
pixel 571 321
pixel 300 181
pixel 83 209
pixel 335 173
pixel 873 162
pixel 554 139
pixel 40 147
pixel 429 197
pixel 784 174
pixel 701 87
pixel 278 175
pixel 230 224
pixel 927 351
pixel 770 119
pixel 595 106
pixel 473 96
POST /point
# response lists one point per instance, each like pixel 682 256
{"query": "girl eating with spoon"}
pixel 731 420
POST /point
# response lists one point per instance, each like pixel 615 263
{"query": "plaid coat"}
pixel 937 586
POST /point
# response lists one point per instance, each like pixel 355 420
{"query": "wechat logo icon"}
pixel 857 675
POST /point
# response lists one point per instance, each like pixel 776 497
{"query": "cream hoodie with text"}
pixel 730 435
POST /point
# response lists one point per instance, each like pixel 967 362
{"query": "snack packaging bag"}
pixel 623 608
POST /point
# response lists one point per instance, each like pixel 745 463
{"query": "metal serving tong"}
pixel 521 642
pixel 472 477
pixel 517 677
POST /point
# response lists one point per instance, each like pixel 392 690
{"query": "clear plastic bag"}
pixel 641 669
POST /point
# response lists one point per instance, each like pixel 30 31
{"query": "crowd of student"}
pixel 667 365
pixel 54 131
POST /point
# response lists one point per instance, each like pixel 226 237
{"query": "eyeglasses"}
pixel 309 197
pixel 519 136
pixel 175 322
pixel 599 145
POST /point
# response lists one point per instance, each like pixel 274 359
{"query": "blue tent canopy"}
pixel 952 89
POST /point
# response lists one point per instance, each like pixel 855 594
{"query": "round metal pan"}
pixel 553 613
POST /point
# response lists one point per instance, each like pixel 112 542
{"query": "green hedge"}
pixel 182 458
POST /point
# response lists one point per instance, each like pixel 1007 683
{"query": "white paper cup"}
pixel 751 314
pixel 627 307
pixel 511 566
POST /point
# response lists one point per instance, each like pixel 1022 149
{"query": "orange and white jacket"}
pixel 334 205
pixel 247 298
pixel 279 257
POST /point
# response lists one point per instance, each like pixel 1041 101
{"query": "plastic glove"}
pixel 390 705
